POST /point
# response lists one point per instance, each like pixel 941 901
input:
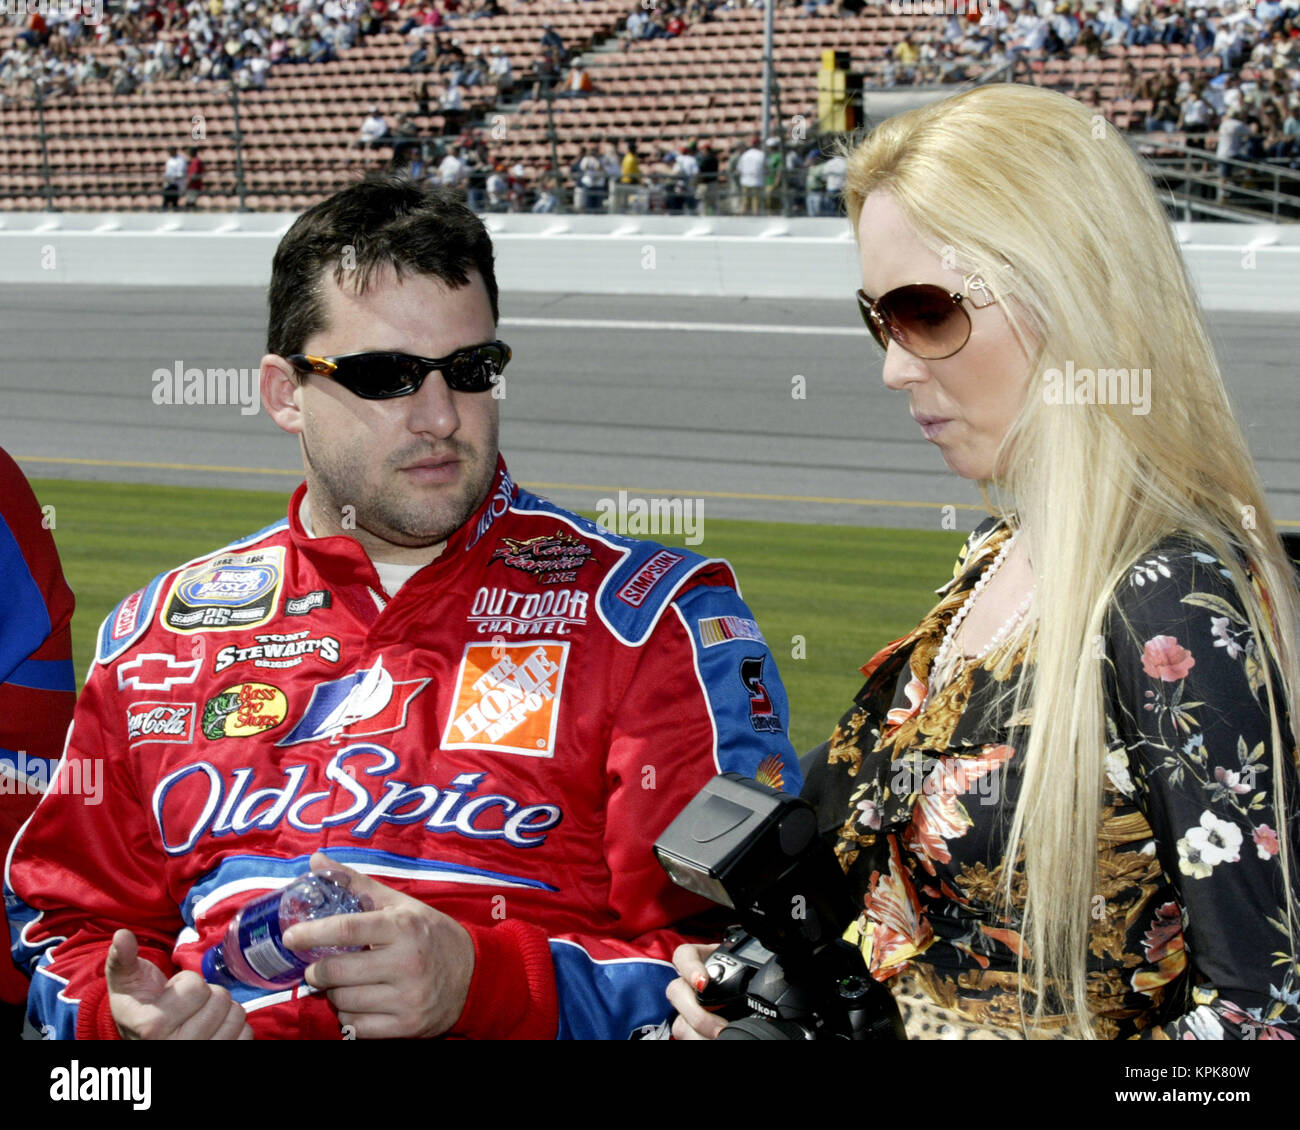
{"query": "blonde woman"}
pixel 1066 800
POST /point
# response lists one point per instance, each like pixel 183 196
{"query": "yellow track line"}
pixel 656 492
pixel 898 504
pixel 154 466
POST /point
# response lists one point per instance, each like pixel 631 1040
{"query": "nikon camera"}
pixel 783 973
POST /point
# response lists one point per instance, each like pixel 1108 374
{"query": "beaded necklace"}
pixel 948 659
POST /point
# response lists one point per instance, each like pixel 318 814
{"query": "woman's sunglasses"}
pixel 382 376
pixel 926 320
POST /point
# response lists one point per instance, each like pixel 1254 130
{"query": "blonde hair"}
pixel 1043 198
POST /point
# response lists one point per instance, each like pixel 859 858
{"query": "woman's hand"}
pixel 693 1022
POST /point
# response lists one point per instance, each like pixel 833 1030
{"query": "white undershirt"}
pixel 392 577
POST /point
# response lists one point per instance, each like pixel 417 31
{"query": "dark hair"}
pixel 388 221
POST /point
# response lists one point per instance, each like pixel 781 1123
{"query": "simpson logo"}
pixel 362 704
pixel 498 611
pixel 649 575
pixel 301 605
pixel 552 558
pixel 508 698
pixel 235 590
pixel 275 650
pixel 170 723
pixel 720 629
pixel 156 672
pixel 243 710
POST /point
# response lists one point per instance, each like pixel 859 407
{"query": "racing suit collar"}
pixel 342 561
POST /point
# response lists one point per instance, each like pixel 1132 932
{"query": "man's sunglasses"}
pixel 382 376
pixel 926 320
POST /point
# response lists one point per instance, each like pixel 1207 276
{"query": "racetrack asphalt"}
pixel 664 397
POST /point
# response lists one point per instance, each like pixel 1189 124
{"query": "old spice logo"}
pixel 508 698
pixel 649 575
pixel 361 791
pixel 171 722
pixel 551 558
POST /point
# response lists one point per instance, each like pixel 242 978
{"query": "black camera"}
pixel 783 970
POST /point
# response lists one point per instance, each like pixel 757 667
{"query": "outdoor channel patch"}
pixel 227 593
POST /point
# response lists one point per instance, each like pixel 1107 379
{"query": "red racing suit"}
pixel 504 739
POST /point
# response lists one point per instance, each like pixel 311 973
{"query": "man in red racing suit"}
pixel 492 738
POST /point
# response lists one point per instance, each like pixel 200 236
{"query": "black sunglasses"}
pixel 926 320
pixel 382 376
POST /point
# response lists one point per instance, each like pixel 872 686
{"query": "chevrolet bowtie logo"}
pixel 157 672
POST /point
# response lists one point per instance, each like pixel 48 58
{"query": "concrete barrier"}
pixel 1235 266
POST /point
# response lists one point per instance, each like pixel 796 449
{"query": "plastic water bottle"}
pixel 253 952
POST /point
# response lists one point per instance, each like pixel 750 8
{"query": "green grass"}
pixel 846 590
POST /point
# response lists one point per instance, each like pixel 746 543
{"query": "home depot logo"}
pixel 508 698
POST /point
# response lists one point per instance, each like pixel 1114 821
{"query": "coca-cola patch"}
pixel 171 723
pixel 551 558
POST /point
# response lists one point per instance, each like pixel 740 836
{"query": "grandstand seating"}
pixel 106 151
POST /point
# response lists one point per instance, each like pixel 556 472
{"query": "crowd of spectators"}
pixel 467 166
pixel 238 40
pixel 698 177
pixel 1262 35
pixel 1249 102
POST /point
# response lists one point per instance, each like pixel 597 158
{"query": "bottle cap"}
pixel 214 968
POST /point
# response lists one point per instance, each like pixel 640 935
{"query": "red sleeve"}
pixel 37 682
pixel 95 1018
pixel 512 993
pixel 85 866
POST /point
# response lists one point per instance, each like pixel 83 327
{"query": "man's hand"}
pixel 411 981
pixel 148 1006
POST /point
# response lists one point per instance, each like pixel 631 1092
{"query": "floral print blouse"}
pixel 1189 938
